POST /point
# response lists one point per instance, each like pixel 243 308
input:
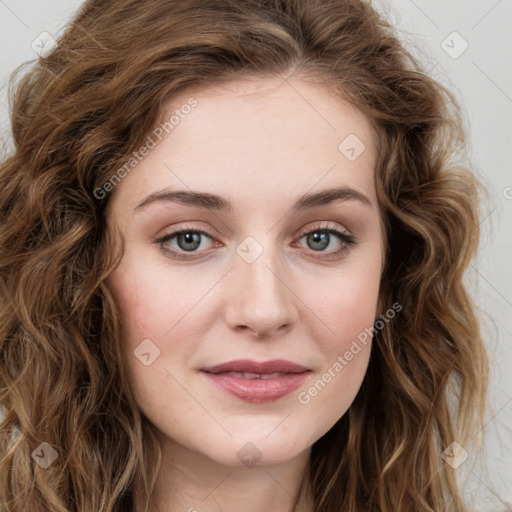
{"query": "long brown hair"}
pixel 79 114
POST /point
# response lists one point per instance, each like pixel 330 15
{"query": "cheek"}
pixel 152 333
pixel 152 303
pixel 347 306
pixel 163 315
pixel 347 309
pixel 329 393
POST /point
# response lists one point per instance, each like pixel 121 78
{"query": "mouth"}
pixel 249 375
pixel 258 382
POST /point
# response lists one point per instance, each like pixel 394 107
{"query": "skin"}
pixel 261 143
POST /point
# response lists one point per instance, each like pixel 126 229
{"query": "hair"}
pixel 81 111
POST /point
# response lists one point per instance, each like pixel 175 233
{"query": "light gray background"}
pixel 482 78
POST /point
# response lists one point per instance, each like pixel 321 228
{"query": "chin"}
pixel 250 451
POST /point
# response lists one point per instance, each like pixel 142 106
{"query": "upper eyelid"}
pixel 337 231
pixel 302 232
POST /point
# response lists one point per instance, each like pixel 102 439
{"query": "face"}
pixel 261 266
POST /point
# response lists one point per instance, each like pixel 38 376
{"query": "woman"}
pixel 233 243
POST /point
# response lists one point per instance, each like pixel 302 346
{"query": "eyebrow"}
pixel 215 202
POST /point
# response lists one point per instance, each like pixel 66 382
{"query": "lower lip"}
pixel 259 390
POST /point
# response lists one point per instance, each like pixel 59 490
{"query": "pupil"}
pixel 320 238
pixel 190 238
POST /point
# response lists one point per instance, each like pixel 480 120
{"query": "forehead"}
pixel 270 111
pixel 255 137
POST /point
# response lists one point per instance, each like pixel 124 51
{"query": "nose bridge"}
pixel 261 300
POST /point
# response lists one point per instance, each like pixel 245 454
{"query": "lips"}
pixel 247 366
pixel 250 375
pixel 253 381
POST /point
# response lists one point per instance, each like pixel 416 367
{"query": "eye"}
pixel 189 240
pixel 319 238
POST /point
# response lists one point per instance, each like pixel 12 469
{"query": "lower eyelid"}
pixel 347 240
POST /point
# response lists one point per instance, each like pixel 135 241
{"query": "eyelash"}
pixel 347 240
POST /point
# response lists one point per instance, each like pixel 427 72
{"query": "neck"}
pixel 190 481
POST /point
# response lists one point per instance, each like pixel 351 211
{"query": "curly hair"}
pixel 80 112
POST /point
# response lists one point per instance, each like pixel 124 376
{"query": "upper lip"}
pixel 246 365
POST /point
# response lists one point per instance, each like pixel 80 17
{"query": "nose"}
pixel 261 300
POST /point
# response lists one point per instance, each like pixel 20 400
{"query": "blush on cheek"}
pixel 351 317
